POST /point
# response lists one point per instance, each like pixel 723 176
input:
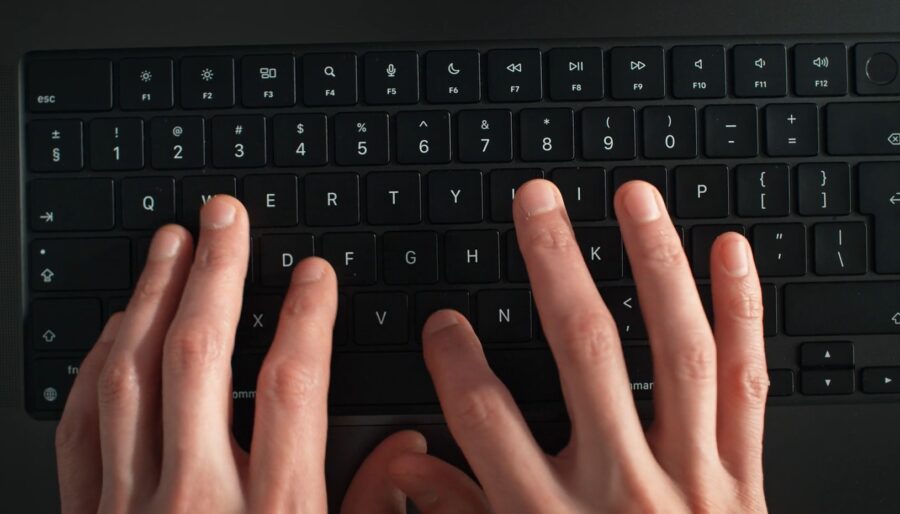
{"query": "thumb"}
pixel 371 491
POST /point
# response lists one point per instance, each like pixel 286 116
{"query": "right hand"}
pixel 703 453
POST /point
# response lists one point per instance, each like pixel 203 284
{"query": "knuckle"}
pixel 118 383
pixel 194 346
pixel 589 338
pixel 151 285
pixel 661 247
pixel 476 408
pixel 556 237
pixel 290 383
pixel 746 303
pixel 71 433
pixel 751 383
pixel 216 254
pixel 695 359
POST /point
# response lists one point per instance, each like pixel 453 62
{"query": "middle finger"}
pixel 579 327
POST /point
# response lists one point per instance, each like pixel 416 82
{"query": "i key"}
pixel 583 191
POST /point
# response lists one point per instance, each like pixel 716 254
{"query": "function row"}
pixel 480 136
pixel 455 76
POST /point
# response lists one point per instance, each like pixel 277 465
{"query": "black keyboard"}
pixel 399 163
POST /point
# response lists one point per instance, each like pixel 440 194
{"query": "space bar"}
pixel 836 308
pixel 400 378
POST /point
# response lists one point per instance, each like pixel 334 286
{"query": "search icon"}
pixel 329 70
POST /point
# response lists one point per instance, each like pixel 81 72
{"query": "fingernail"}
pixel 218 213
pixel 308 272
pixel 439 321
pixel 640 204
pixel 734 258
pixel 537 198
pixel 165 245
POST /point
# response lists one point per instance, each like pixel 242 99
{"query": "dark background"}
pixel 834 459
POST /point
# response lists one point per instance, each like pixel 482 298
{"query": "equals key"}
pixel 840 248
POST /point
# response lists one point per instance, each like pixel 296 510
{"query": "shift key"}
pixel 863 128
pixel 842 308
pixel 80 264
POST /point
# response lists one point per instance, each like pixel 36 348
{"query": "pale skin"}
pixel 146 426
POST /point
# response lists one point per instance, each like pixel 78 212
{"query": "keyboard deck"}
pixel 398 164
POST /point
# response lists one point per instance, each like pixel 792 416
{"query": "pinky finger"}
pixel 436 487
pixel 78 434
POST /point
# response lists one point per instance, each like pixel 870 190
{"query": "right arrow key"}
pixel 881 380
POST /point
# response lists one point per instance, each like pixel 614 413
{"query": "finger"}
pixel 579 327
pixel 483 417
pixel 684 353
pixel 743 379
pixel 197 350
pixel 287 454
pixel 129 395
pixel 371 491
pixel 436 487
pixel 78 462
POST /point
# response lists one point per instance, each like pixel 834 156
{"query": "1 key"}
pixel 117 144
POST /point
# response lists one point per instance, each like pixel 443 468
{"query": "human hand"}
pixel 147 426
pixel 703 452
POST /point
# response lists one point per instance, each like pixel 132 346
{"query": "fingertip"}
pixel 441 320
pixel 639 201
pixel 732 253
pixel 312 270
pixel 536 197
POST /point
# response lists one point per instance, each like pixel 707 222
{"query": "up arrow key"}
pixel 423 124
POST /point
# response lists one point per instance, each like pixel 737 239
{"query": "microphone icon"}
pixel 391 70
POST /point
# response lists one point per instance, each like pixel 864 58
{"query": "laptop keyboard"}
pixel 398 164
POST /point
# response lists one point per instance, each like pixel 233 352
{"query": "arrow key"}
pixel 881 380
pixel 65 324
pixel 827 382
pixel 826 355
